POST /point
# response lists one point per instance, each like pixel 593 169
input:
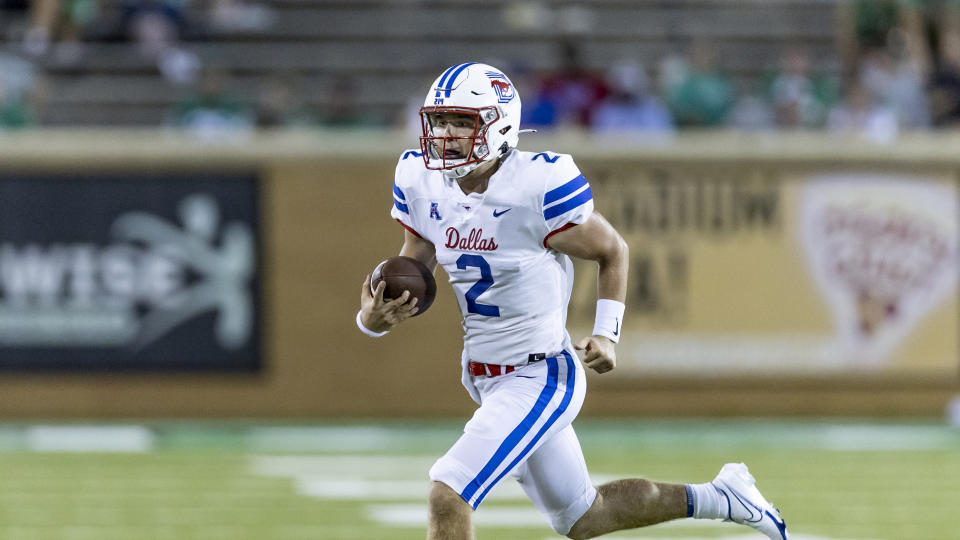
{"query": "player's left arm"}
pixel 597 240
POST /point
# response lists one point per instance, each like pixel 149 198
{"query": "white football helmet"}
pixel 478 90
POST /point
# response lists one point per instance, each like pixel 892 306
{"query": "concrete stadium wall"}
pixel 325 199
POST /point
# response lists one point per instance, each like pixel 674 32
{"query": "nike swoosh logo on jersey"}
pixel 616 331
pixel 502 212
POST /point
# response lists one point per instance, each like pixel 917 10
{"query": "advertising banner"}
pixel 755 270
pixel 127 272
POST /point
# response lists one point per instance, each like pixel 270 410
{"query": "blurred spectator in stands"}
pixel 861 112
pixel 156 26
pixel 16 111
pixel 630 106
pixel 24 88
pixel 899 47
pixel 672 69
pixel 17 74
pixel 864 25
pixel 58 22
pixel 280 104
pixel 752 111
pixel 948 39
pixel 897 74
pixel 342 109
pixel 799 99
pixel 944 87
pixel 945 99
pixel 211 112
pixel 240 16
pixel 567 97
pixel 701 95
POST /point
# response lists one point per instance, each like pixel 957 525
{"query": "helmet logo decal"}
pixel 500 85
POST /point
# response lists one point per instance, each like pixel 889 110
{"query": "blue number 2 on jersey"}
pixel 485 282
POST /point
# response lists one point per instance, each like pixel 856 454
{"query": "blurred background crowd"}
pixel 876 67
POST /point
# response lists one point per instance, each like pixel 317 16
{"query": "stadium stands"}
pixel 390 48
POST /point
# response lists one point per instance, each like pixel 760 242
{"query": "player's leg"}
pixel 518 414
pixel 556 480
pixel 449 514
pixel 630 503
pixel 636 502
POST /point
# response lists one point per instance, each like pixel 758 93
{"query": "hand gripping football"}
pixel 406 274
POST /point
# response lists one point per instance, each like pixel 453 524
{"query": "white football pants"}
pixel 522 429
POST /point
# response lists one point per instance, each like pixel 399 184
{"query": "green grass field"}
pixel 367 481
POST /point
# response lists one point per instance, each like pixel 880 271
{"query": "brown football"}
pixel 406 274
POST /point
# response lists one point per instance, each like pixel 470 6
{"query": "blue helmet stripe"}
pixel 453 77
pixel 443 79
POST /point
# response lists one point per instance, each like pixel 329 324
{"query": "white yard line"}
pixel 346 489
pixel 343 466
pixel 89 438
pixel 884 438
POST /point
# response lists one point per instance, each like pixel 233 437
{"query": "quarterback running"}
pixel 503 224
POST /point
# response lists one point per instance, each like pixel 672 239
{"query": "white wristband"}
pixel 366 330
pixel 609 319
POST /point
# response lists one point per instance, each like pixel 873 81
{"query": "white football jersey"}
pixel 513 291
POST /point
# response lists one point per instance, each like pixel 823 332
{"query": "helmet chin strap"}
pixel 457 173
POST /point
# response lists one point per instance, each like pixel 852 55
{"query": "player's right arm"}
pixel 419 249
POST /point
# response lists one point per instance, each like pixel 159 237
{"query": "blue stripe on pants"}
pixel 518 432
pixel 571 379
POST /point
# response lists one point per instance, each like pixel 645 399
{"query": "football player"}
pixel 503 224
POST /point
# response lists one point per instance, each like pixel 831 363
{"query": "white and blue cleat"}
pixel 745 504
